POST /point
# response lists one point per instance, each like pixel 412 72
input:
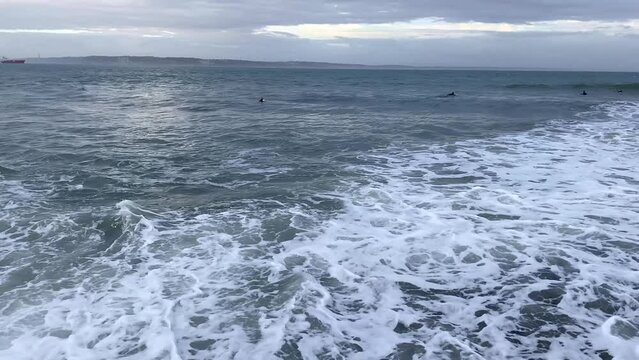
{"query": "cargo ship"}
pixel 4 60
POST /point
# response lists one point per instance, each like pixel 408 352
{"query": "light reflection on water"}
pixel 165 214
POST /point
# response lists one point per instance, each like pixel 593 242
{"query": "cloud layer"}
pixel 228 14
pixel 430 28
pixel 342 30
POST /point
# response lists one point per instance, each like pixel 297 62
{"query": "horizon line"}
pixel 335 65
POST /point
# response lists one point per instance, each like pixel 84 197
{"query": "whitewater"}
pixel 513 244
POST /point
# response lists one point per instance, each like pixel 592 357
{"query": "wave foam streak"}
pixel 517 246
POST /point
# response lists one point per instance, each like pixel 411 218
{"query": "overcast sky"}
pixel 567 34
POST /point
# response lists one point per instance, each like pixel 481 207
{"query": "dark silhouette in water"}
pixel 620 91
pixel 584 92
pixel 452 94
pixel 261 99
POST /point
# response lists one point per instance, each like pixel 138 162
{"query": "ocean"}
pixel 164 213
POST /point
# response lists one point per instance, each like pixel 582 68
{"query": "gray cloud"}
pixel 291 12
pixel 226 28
pixel 227 14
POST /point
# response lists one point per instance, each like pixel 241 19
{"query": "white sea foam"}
pixel 518 246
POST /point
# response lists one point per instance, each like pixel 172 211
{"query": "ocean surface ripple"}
pixel 163 213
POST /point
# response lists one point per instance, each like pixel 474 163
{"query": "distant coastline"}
pixel 191 61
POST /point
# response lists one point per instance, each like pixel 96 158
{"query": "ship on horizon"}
pixel 5 60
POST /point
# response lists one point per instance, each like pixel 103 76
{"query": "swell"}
pixel 575 86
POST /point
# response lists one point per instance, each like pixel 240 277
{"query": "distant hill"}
pixel 187 61
pixel 230 63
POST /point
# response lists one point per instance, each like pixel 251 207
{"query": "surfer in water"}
pixel 261 99
pixel 620 91
pixel 452 94
pixel 584 92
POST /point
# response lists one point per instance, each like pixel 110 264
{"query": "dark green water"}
pixel 164 213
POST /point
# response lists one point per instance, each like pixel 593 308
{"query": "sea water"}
pixel 164 213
